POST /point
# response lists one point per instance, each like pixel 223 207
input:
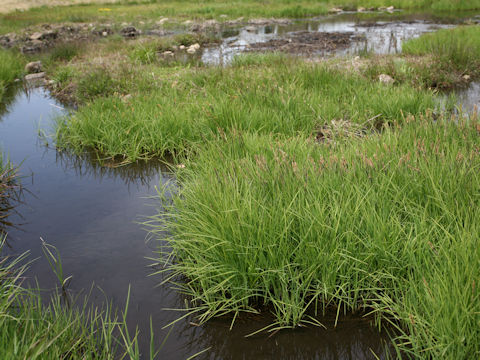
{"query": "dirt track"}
pixel 7 6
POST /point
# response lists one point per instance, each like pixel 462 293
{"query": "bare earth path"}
pixel 7 6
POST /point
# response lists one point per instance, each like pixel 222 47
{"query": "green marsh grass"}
pixel 181 10
pixel 387 223
pixel 457 49
pixel 188 107
pixel 11 67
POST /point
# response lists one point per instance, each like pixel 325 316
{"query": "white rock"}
pixel 196 46
pixel 335 10
pixel 36 36
pixel 33 67
pixel 385 79
pixel 37 76
pixel 168 53
pixel 191 50
pixel 466 77
pixel 182 47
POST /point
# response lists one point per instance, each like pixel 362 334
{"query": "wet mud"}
pixel 307 43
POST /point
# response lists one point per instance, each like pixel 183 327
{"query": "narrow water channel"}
pixel 91 214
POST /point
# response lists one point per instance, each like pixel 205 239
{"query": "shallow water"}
pixel 469 98
pixel 379 34
pixel 91 213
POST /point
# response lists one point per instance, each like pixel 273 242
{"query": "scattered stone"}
pixel 130 32
pixel 8 40
pixel 361 9
pixel 466 77
pixel 390 8
pixel 182 47
pixel 33 67
pixel 335 10
pixel 162 21
pixel 223 16
pixel 168 53
pixel 126 98
pixel 385 79
pixel 188 22
pixel 210 23
pixel 34 77
pixel 250 28
pixel 48 35
pixel 191 50
pixel 196 46
pixel 50 82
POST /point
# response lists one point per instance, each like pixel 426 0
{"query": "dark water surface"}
pixel 91 215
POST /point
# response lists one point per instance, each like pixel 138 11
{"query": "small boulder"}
pixel 251 28
pixel 34 77
pixel 47 35
pixel 361 9
pixel 36 36
pixel 168 53
pixel 466 77
pixel 335 10
pixel 130 32
pixel 385 79
pixel 191 50
pixel 390 8
pixel 33 67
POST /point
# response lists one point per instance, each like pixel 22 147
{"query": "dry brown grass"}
pixel 7 6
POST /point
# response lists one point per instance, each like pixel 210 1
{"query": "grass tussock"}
pixel 458 49
pixel 185 108
pixel 11 67
pixel 384 223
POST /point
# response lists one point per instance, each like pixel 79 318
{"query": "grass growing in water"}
pixel 388 223
pixel 192 106
pixel 11 66
pixel 457 49
pixel 33 329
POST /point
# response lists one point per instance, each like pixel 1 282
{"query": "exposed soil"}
pixel 43 37
pixel 305 42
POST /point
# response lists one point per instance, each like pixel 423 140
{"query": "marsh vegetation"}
pixel 306 185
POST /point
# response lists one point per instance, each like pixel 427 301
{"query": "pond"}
pixel 92 215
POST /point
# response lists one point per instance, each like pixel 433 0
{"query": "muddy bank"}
pixel 305 42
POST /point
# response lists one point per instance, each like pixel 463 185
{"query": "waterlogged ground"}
pixel 345 34
pixel 91 215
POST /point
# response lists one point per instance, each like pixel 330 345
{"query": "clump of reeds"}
pixel 387 223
